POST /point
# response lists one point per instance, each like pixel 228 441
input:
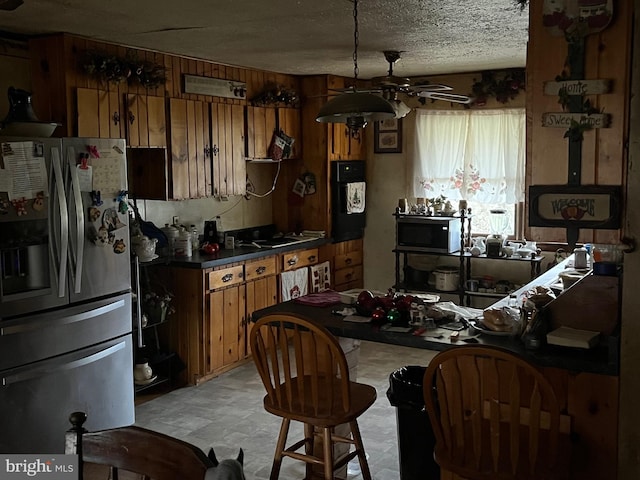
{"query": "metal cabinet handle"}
pixel 293 260
pixel 116 118
pixel 132 117
pixel 227 278
pixel 207 151
pixel 349 275
pixel 260 270
pixel 215 150
pixel 348 261
pixel 311 258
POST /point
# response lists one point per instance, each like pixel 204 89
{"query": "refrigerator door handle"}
pixel 48 369
pixel 64 222
pixel 46 321
pixel 77 199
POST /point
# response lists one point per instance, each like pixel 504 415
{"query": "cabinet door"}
pixel 99 113
pixel 225 331
pixel 179 149
pixel 229 164
pixel 260 125
pixel 146 121
pixel 190 141
pixel 261 293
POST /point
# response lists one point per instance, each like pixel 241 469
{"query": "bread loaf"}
pixel 497 319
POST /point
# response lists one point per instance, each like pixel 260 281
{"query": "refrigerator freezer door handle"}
pixel 77 198
pixel 47 322
pixel 64 222
pixel 47 370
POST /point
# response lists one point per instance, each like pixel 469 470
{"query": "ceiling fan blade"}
pixel 430 87
pixel 447 97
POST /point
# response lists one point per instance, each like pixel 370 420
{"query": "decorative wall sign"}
pixel 566 120
pixel 576 17
pixel 387 136
pixel 577 87
pixel 575 206
pixel 215 87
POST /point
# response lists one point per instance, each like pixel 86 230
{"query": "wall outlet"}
pixel 175 220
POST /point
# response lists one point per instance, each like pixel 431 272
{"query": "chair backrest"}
pixel 133 449
pixel 493 414
pixel 302 367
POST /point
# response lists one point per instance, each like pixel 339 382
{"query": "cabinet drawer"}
pixel 346 275
pixel 226 277
pixel 260 268
pixel 350 259
pixel 299 258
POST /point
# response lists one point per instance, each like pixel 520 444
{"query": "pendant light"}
pixel 357 108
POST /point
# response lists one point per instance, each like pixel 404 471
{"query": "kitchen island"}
pixel 585 381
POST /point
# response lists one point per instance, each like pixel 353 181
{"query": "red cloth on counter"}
pixel 320 299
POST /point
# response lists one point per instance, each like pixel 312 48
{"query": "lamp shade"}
pixel 401 108
pixel 358 104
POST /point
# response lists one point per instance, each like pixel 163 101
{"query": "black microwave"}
pixel 420 233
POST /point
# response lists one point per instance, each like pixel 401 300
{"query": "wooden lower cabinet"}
pixel 224 335
pixel 209 329
pixel 260 293
pixel 592 403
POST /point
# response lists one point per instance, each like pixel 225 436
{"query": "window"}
pixel 475 155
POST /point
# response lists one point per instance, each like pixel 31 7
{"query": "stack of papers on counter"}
pixel 572 337
pixel 313 233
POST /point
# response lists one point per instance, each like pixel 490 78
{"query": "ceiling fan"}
pixel 390 85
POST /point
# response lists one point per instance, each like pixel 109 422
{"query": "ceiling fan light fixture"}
pixel 344 107
pixel 401 108
pixel 355 108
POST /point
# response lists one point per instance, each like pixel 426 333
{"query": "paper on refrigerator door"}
pixel 109 175
pixel 25 170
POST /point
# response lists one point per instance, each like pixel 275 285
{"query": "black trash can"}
pixel 415 436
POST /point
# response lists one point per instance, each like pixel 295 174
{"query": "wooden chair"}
pixel 495 416
pixel 309 382
pixel 134 450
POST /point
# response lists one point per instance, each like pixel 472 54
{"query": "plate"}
pixel 147 381
pixel 478 326
pixel 148 259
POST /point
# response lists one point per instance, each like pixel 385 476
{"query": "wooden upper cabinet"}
pixel 145 121
pixel 228 140
pixel 190 149
pixel 99 113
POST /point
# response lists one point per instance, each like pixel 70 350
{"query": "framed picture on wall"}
pixel 387 136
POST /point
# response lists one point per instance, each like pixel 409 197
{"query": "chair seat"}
pixel 325 412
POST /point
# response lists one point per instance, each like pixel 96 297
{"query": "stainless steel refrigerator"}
pixel 65 290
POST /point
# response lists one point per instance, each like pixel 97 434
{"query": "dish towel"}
pixel 320 277
pixel 294 284
pixel 355 197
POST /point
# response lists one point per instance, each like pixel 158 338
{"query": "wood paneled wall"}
pixel 604 151
pixel 56 65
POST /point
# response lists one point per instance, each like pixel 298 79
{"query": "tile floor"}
pixel 226 413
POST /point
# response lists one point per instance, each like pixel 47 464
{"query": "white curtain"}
pixel 476 155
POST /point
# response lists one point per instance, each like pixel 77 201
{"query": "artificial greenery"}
pixel 113 69
pixel 504 86
pixel 275 95
pixel 521 3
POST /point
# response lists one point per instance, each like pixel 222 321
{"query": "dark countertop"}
pixel 595 360
pixel 239 254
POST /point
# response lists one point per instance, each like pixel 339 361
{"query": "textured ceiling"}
pixel 298 37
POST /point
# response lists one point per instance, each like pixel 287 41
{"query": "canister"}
pixel 182 245
pixel 580 258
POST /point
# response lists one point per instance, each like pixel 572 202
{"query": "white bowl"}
pixel 524 252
